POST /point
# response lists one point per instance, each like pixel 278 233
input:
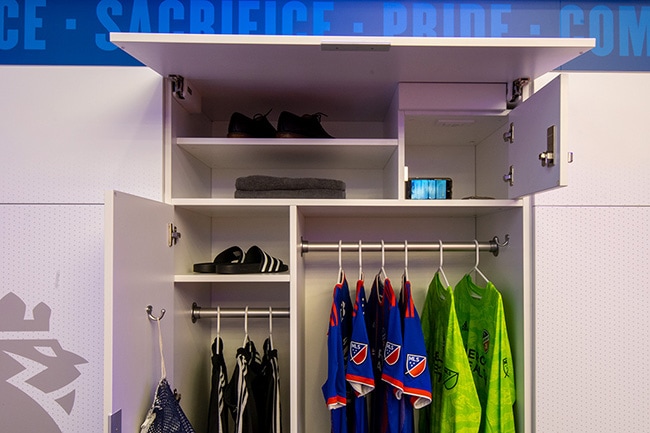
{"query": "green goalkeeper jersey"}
pixel 483 328
pixel 455 407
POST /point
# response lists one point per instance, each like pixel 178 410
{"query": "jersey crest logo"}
pixel 358 352
pixel 391 353
pixel 415 364
pixel 450 379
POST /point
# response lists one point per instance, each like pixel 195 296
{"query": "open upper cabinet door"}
pixel 138 272
pixel 349 77
pixel 535 155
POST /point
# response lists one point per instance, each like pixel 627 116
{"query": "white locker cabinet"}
pixel 398 107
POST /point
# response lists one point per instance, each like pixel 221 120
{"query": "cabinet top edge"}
pixel 457 42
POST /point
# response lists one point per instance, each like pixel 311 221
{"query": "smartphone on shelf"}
pixel 435 188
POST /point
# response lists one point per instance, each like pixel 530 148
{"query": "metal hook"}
pixel 152 317
pixel 499 243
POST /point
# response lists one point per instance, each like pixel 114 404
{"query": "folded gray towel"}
pixel 292 193
pixel 270 183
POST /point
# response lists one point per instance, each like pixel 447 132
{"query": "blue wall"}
pixel 75 32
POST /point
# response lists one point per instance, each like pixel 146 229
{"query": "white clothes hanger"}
pixel 271 327
pixel 441 271
pixel 246 338
pixel 405 276
pixel 218 329
pixel 361 277
pixel 476 269
pixel 382 271
pixel 341 272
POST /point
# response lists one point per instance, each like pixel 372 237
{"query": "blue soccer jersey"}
pixel 393 366
pixel 335 387
pixel 374 315
pixel 417 380
pixel 359 373
pixel 359 368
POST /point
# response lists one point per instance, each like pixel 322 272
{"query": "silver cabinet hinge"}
pixel 509 135
pixel 173 235
pixel 517 94
pixel 178 86
pixel 185 94
pixel 510 176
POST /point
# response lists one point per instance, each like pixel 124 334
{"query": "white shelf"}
pixel 233 278
pixel 290 153
pixel 349 208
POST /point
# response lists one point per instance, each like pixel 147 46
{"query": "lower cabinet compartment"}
pixel 254 311
pixel 320 270
pixel 303 293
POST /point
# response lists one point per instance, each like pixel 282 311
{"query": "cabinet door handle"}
pixel 548 157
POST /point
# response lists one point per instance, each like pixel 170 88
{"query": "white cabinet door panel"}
pixel 532 120
pixel 608 137
pixel 139 272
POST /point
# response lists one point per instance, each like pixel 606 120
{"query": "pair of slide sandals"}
pixel 234 261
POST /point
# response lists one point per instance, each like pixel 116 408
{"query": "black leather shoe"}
pixel 242 126
pixel 305 126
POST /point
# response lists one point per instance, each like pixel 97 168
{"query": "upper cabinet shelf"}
pixel 242 153
pixel 305 74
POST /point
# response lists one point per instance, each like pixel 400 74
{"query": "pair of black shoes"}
pixel 289 126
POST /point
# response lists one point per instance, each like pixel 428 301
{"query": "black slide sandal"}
pixel 255 261
pixel 231 255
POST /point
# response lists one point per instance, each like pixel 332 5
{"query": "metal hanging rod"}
pixel 211 313
pixel 492 246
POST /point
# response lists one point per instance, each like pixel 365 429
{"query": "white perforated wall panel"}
pixel 52 255
pixel 67 134
pixel 592 306
pixel 70 133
